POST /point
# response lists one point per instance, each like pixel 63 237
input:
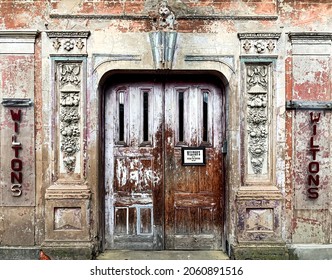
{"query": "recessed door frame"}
pixel 102 217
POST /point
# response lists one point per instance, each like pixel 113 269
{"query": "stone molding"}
pixel 271 35
pixel 311 43
pixel 17 102
pixel 309 36
pixel 68 34
pixel 19 34
pixel 68 192
pixel 259 193
pixel 179 17
pixel 17 41
pixel 227 60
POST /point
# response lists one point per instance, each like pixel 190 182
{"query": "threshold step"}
pixel 162 255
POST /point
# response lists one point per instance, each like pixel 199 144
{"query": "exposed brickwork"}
pixel 18 14
pixel 300 13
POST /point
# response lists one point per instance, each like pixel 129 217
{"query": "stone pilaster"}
pixel 259 200
pixel 68 198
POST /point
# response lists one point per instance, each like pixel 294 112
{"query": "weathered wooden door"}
pixel 134 166
pixel 193 197
pixel 152 201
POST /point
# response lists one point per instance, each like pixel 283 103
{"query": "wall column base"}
pixel 255 251
pixel 19 253
pixel 69 251
pixel 310 252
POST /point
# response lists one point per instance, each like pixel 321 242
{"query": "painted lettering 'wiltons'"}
pixel 313 167
pixel 16 175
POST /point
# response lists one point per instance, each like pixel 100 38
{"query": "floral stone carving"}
pixel 69 114
pixel 259 43
pixel 257 115
pixel 69 41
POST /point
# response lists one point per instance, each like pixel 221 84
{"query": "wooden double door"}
pixel 152 200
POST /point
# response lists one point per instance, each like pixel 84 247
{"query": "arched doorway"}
pixel 163 162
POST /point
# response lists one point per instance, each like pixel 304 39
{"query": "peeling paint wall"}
pixel 17 166
pixel 311 81
pixel 265 53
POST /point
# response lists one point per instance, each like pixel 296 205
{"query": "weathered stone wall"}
pixel 309 139
pixel 17 166
pixel 58 55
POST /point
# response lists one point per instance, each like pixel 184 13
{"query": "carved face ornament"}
pixel 164 11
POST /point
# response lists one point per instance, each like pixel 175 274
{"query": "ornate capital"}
pixel 68 42
pixel 258 43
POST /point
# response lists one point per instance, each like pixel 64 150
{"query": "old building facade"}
pixel 165 125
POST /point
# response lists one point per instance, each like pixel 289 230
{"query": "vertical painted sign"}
pixel 17 153
pixel 313 167
pixel 16 175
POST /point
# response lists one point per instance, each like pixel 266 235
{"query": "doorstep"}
pixel 162 255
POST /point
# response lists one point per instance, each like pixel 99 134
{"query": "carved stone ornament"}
pixel 68 218
pixel 69 45
pixel 80 44
pixel 270 46
pixel 69 113
pixel 163 38
pixel 258 43
pixel 257 115
pixel 246 46
pixel 56 44
pixel 257 76
pixel 259 219
pixel 69 74
pixel 163 48
pixel 69 41
pixel 260 46
pixel 164 18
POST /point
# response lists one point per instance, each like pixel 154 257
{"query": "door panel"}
pixel 193 209
pixel 133 166
pixel 152 201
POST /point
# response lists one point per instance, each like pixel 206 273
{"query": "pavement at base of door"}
pixel 162 255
